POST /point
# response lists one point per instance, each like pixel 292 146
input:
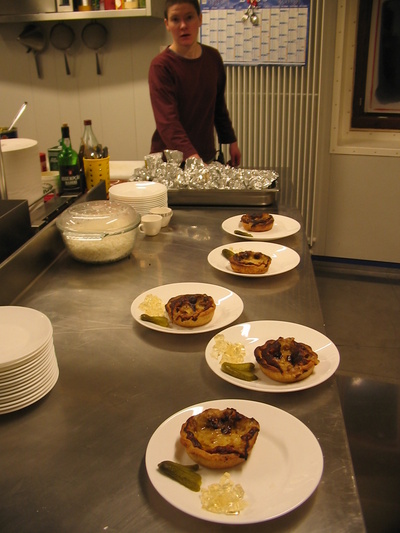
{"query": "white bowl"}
pixel 165 212
pixel 99 231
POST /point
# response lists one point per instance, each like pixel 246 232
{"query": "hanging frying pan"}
pixel 61 37
pixel 94 36
pixel 34 39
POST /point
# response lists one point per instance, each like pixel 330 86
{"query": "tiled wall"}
pixel 117 101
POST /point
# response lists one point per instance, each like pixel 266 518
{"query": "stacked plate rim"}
pixel 142 195
pixel 28 363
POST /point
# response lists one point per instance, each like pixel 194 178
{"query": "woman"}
pixel 187 90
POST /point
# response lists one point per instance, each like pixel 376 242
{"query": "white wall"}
pixel 363 216
pixel 117 101
pixel 357 204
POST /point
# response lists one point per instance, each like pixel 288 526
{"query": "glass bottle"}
pixel 89 142
pixel 89 147
pixel 68 162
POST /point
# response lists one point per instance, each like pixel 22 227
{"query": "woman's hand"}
pixel 235 154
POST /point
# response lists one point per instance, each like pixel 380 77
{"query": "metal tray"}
pixel 225 197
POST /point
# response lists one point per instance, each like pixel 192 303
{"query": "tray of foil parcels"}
pixel 211 184
pixel 221 197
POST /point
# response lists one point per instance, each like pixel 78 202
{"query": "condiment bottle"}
pixel 68 162
pixel 43 162
pixel 89 142
pixel 89 148
pixel 85 5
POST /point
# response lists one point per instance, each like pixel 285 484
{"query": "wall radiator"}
pixel 275 113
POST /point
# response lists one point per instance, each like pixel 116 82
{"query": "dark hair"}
pixel 170 3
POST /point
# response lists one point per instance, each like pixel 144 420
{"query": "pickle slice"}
pixel 159 320
pixel 186 475
pixel 244 371
pixel 227 253
pixel 243 367
pixel 243 233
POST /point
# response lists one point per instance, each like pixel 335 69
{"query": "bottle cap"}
pixel 65 130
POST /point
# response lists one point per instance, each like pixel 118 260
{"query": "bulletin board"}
pixel 279 35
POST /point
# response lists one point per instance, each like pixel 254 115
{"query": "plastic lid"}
pixel 101 216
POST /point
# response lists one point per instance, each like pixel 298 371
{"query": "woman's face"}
pixel 183 23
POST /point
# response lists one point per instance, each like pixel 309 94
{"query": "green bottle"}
pixel 68 163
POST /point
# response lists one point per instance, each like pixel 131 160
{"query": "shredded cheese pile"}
pixel 223 497
pixel 152 305
pixel 228 352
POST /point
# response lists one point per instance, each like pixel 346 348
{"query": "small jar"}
pixel 85 5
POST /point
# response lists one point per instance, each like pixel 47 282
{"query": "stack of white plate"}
pixel 28 364
pixel 142 195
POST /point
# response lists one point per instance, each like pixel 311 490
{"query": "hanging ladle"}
pixel 61 37
pixel 33 38
pixel 94 36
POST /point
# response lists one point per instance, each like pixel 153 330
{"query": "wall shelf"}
pixel 154 8
pixel 74 15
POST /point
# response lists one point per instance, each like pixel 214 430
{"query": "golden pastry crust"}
pixel 219 438
pixel 257 221
pixel 191 310
pixel 286 360
pixel 249 262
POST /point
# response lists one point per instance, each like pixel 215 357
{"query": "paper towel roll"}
pixel 22 169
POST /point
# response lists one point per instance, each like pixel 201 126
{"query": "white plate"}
pixel 283 227
pixel 143 190
pixel 31 399
pixel 283 258
pixel 274 480
pixel 142 204
pixel 24 379
pixel 14 394
pixel 153 202
pixel 29 364
pixel 228 306
pixel 253 334
pixel 23 331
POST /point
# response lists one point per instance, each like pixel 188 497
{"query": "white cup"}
pixel 165 212
pixel 150 225
pixel 52 177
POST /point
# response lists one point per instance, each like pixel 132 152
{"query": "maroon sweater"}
pixel 188 99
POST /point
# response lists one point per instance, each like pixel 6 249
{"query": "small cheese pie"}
pixel 286 360
pixel 219 438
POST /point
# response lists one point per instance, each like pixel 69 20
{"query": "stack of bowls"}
pixel 28 364
pixel 142 195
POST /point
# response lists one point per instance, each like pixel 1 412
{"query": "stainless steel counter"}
pixel 74 461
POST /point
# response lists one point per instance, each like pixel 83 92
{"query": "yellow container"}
pixel 97 170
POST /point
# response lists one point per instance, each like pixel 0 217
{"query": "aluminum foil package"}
pixel 199 176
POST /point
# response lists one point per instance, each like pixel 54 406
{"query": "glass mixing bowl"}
pixel 101 231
